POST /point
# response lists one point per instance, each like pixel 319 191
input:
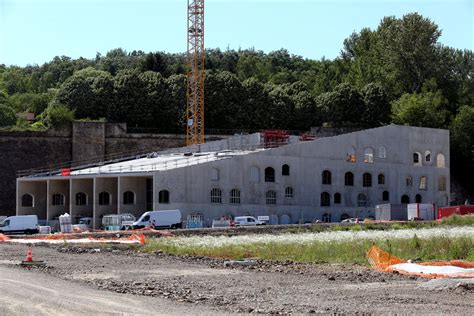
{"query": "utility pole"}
pixel 196 73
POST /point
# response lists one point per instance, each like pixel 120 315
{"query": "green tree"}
pixel 377 106
pixel 7 116
pixel 462 132
pixel 342 107
pixel 426 109
pixel 56 114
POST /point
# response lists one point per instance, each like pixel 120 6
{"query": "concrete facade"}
pixel 310 181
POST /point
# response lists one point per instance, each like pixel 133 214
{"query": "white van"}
pixel 247 221
pixel 24 224
pixel 159 219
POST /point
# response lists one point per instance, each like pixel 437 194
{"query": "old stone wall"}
pixel 77 144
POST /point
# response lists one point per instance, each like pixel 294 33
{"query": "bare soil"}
pixel 266 287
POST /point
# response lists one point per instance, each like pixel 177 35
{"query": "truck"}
pixel 159 219
pixel 21 224
pixel 118 221
pixel 247 221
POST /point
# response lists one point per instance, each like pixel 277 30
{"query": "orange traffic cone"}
pixel 29 255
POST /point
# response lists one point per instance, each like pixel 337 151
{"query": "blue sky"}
pixel 34 31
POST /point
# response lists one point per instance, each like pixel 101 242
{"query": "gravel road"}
pixel 33 293
pixel 276 288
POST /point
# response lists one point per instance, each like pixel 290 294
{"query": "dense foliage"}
pixel 398 72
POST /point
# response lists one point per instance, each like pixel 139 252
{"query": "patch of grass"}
pixel 458 220
pixel 442 248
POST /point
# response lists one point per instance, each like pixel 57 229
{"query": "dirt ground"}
pixel 268 288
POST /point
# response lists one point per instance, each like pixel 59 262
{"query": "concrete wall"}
pixel 85 186
pixel 58 187
pixel 138 186
pixel 38 189
pixel 80 142
pixel 190 187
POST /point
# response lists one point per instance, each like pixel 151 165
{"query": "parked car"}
pixel 22 224
pixel 159 219
pixel 247 221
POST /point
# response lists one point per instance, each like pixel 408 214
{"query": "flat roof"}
pixel 161 162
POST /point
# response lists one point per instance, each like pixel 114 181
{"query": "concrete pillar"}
pixel 17 197
pixel 47 200
pixel 70 201
pixel 119 194
pixel 94 201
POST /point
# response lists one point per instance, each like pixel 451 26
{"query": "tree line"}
pixel 396 73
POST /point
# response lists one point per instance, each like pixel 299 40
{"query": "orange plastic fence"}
pixel 380 260
pixel 4 237
pixel 383 261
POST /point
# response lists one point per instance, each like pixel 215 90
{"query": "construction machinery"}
pixel 196 73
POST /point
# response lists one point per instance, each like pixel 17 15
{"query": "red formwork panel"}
pixel 458 210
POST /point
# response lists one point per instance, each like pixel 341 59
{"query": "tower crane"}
pixel 195 74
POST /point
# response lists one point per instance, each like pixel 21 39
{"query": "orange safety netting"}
pixel 4 237
pixel 385 262
pixel 380 260
pixel 140 238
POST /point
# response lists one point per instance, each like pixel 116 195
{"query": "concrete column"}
pixel 119 200
pixel 47 200
pixel 94 201
pixel 17 197
pixel 154 192
pixel 70 201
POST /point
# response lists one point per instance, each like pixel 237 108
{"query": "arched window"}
pixel 81 198
pixel 27 200
pixel 418 198
pixel 104 198
pixel 427 157
pixel 385 196
pixel 164 197
pixel 417 159
pixel 368 155
pixel 367 180
pixel 440 161
pixel 285 170
pixel 214 174
pixel 326 177
pixel 128 198
pixel 351 154
pixel 362 200
pixel 254 174
pixel 235 196
pixel 441 183
pixel 349 179
pixel 269 174
pixel 382 152
pixel 381 179
pixel 423 183
pixel 289 192
pixel 216 196
pixel 270 197
pixel 409 181
pixel 337 198
pixel 325 199
pixel 405 199
pixel 326 218
pixel 58 199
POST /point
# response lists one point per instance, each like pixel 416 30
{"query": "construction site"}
pixel 271 222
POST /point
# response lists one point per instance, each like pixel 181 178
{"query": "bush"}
pixel 56 114
pixel 7 116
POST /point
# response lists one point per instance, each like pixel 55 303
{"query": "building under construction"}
pixel 288 178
